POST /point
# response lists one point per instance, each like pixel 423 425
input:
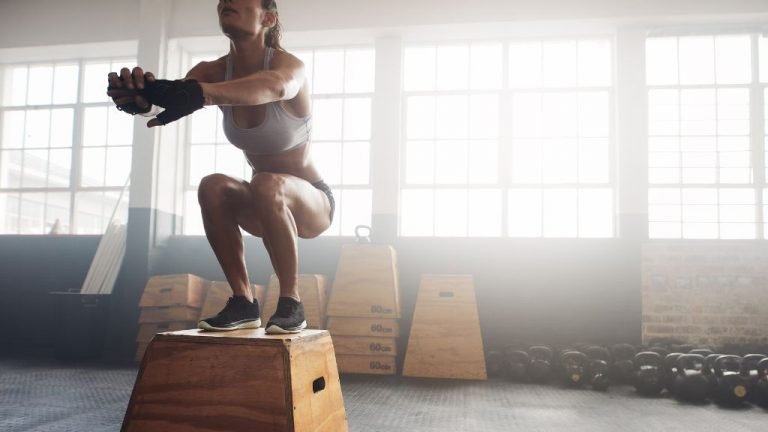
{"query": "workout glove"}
pixel 130 107
pixel 179 97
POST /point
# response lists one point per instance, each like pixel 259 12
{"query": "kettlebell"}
pixel 575 367
pixel 670 371
pixel 623 369
pixel 709 373
pixel 761 386
pixel 599 358
pixel 494 364
pixel 751 373
pixel 517 362
pixel 690 383
pixel 647 378
pixel 540 366
pixel 732 387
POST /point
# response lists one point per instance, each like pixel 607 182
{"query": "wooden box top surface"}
pixel 244 336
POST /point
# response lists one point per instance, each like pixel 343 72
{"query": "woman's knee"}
pixel 218 190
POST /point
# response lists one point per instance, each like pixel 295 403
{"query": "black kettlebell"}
pixel 648 379
pixel 623 369
pixel 494 364
pixel 661 351
pixel 751 373
pixel 540 366
pixel 761 386
pixel 704 352
pixel 732 387
pixel 690 383
pixel 709 372
pixel 599 367
pixel 517 362
pixel 670 371
pixel 575 368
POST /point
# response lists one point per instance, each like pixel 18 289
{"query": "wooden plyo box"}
pixel 366 282
pixel 148 330
pixel 380 327
pixel 174 290
pixel 219 293
pixel 365 345
pixel 244 380
pixel 367 364
pixel 312 291
pixel 445 340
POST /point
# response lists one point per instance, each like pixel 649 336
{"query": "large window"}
pixel 508 139
pixel 342 85
pixel 65 153
pixel 700 138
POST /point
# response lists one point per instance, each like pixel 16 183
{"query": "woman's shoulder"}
pixel 209 71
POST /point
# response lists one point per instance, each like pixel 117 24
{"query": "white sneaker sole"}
pixel 273 329
pixel 246 325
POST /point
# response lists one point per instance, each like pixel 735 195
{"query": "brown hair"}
pixel 275 33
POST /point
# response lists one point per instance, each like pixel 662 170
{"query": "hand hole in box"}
pixel 318 385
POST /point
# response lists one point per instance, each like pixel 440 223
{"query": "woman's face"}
pixel 243 17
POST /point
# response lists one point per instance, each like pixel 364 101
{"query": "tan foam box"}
pixel 174 290
pixel 445 339
pixel 365 345
pixel 220 292
pixel 312 291
pixel 380 327
pixel 366 282
pixel 366 364
pixel 238 381
pixel 140 350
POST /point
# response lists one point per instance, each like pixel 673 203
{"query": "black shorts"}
pixel 323 186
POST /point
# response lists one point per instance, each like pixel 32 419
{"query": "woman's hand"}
pixel 124 89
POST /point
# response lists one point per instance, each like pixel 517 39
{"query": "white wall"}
pixel 47 22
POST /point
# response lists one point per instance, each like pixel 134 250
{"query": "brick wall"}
pixel 704 292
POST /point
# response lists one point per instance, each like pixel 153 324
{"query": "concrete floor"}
pixel 46 396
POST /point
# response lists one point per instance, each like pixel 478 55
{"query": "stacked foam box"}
pixel 364 310
pixel 169 303
pixel 312 291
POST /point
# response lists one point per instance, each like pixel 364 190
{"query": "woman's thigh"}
pixel 308 206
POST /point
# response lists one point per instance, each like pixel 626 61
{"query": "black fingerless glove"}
pixel 131 107
pixel 179 97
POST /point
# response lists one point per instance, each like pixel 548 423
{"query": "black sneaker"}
pixel 289 317
pixel 238 313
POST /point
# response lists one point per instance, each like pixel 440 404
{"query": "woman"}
pixel 264 97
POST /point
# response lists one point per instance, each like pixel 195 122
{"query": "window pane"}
pixel 561 158
pixel 560 66
pixel 327 156
pixel 57 212
pixel 62 122
pixel 594 63
pixel 734 59
pixel 697 60
pixel 355 210
pixel 40 93
pixel 698 112
pixel 32 215
pixel 360 70
pixel 95 82
pixel 37 128
pixel 595 213
pixel 13 129
pixel 10 168
pixel 452 117
pixel 594 162
pixel 594 114
pixel 202 161
pixel 485 213
pixel 357 119
pixel 417 212
pixel 193 221
pixel 356 163
pixel 525 63
pixel 452 67
pixel 526 162
pixel 524 212
pixel 93 172
pixel 451 162
pixel 485 66
pixel 118 166
pixel 203 126
pixel 60 168
pixel 560 114
pixel 420 162
pixel 120 129
pixel 733 111
pixel 484 116
pixel 527 115
pixel 329 71
pixel 419 68
pixel 65 83
pixel 35 169
pixel 327 121
pixel 421 117
pixel 560 213
pixel 9 213
pixel 451 211
pixel 15 86
pixel 661 61
pixel 231 161
pixel 95 127
pixel 663 112
pixel 483 162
